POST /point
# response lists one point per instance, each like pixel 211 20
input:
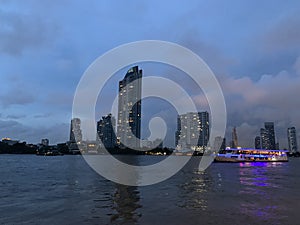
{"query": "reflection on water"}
pixel 125 204
pixel 193 191
pixel 258 181
pixel 64 190
pixel 126 198
pixel 254 174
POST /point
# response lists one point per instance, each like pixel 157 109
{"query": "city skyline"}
pixel 129 91
pixel 256 61
pixel 192 133
pixel 149 112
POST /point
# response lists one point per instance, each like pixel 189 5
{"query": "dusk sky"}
pixel 253 47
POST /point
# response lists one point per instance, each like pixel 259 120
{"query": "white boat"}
pixel 251 155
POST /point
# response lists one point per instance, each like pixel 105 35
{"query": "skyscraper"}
pixel 129 108
pixel 264 137
pixel 269 126
pixel 292 140
pixel 106 131
pixel 204 126
pixel 234 138
pixel 177 133
pixel 75 131
pixel 268 136
pixel 257 142
pixel 192 130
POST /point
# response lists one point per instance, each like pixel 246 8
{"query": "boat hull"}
pixel 238 160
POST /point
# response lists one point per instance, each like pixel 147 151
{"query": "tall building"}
pixel 106 131
pixel 292 140
pixel 234 138
pixel 264 137
pixel 257 143
pixel 129 109
pixel 75 131
pixel 268 136
pixel 192 130
pixel 269 126
pixel 177 133
pixel 204 126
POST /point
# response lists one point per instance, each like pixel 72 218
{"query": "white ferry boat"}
pixel 251 155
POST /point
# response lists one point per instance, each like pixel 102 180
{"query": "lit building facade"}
pixel 192 130
pixel 267 135
pixel 292 140
pixel 129 109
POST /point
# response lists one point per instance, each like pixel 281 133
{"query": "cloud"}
pixel 284 36
pixel 59 99
pixel 15 116
pixel 272 47
pixel 45 115
pixel 16 97
pixel 271 98
pixel 8 124
pixel 57 133
pixel 20 31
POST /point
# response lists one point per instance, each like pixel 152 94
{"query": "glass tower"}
pixel 129 109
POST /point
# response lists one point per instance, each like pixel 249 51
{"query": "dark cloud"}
pixel 14 116
pixel 8 124
pixel 20 31
pixel 16 97
pixel 214 57
pixel 57 133
pixel 271 48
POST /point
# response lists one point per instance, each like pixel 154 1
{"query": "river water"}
pixel 65 190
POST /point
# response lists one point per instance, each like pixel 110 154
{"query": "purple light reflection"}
pixel 256 179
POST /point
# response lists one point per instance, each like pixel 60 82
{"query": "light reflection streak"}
pixel 193 192
pixel 256 180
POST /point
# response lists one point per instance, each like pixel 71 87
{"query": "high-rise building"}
pixel 106 131
pixel 177 133
pixel 234 138
pixel 264 138
pixel 45 142
pixel 268 136
pixel 129 109
pixel 292 140
pixel 269 126
pixel 75 131
pixel 204 126
pixel 257 142
pixel 192 130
